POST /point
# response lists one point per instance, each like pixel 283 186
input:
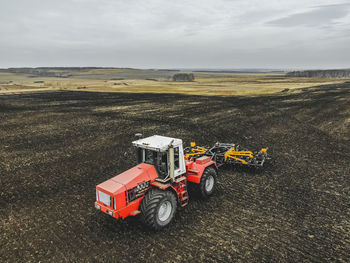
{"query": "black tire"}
pixel 151 208
pixel 209 173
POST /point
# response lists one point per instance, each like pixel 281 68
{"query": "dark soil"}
pixel 55 147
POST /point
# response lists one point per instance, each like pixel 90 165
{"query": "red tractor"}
pixel 158 184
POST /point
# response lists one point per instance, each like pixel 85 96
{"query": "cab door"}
pixel 179 162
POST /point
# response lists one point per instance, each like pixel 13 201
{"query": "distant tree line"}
pixel 66 72
pixel 63 72
pixel 183 77
pixel 41 69
pixel 336 73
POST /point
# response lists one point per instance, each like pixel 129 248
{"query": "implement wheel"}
pixel 207 184
pixel 158 208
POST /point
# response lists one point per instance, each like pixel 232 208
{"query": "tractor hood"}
pixel 129 179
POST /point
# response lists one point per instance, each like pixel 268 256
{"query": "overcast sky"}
pixel 176 34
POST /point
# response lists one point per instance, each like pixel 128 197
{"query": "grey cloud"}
pixel 182 33
pixel 321 15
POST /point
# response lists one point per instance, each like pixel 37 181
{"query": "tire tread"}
pixel 149 207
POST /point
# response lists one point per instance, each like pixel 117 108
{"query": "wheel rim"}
pixel 164 211
pixel 209 183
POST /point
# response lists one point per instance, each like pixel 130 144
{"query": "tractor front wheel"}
pixel 207 184
pixel 158 208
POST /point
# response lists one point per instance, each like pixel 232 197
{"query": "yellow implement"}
pixel 195 151
pixel 226 153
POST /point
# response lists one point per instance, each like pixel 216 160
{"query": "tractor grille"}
pixel 104 198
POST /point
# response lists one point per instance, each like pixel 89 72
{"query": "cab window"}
pixel 158 159
pixel 176 158
pixel 163 164
pixel 146 156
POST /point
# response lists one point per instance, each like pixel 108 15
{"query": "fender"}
pixel 176 189
pixel 196 168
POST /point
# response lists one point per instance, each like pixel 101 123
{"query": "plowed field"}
pixel 56 146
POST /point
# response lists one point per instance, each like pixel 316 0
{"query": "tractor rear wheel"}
pixel 207 184
pixel 158 208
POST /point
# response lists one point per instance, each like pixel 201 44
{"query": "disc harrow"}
pixel 228 153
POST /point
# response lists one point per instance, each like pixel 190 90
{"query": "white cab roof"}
pixel 157 143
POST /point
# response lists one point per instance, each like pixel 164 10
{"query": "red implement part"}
pixel 196 168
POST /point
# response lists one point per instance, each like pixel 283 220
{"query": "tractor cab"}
pixel 164 153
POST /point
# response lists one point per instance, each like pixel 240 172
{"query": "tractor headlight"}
pixel 98 207
pixel 110 213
